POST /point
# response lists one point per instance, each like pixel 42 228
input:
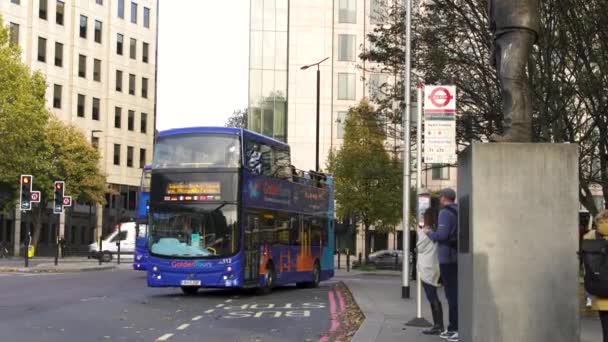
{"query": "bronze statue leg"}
pixel 512 51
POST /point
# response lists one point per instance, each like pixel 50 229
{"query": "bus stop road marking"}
pixel 219 305
pixel 197 318
pixel 209 311
pixel 183 326
pixel 164 337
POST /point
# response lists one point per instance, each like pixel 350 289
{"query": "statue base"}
pixel 518 237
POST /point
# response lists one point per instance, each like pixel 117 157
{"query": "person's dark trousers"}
pixel 436 310
pixel 449 274
pixel 431 292
pixel 604 319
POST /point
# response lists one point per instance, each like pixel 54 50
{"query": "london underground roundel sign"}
pixel 440 98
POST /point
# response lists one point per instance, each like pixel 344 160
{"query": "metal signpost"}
pixel 26 198
pixel 405 276
pixel 60 202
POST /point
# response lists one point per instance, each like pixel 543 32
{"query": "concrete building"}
pixel 289 34
pixel 99 59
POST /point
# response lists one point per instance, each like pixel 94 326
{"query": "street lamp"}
pixel 318 106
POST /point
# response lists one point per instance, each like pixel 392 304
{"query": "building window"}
pixel 346 86
pixel 98 28
pixel 129 156
pixel 117 117
pixel 119 80
pixel 143 125
pixel 116 154
pixel 146 17
pixel 96 70
pixel 348 12
pixel 82 66
pixel 95 142
pixel 133 49
pixel 80 106
pixel 14 31
pixel 58 54
pixel 57 96
pixel 41 49
pixel 341 123
pixel 134 13
pixel 121 9
pixel 144 53
pixel 441 172
pixel 375 12
pixel 131 84
pixel 96 106
pixel 144 87
pixel 83 26
pixel 142 158
pixel 346 47
pixel 119 42
pixel 59 12
pixel 42 9
pixel 131 121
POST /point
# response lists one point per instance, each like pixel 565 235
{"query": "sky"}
pixel 203 61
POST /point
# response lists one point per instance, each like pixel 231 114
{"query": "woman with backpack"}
pixel 428 266
pixel 599 304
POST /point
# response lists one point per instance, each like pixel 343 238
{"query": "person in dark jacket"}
pixel 447 230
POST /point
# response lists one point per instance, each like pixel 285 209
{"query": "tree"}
pixel 23 116
pixel 567 70
pixel 368 183
pixel 238 119
pixel 67 156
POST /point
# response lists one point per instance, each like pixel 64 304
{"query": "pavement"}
pixel 64 265
pixel 378 295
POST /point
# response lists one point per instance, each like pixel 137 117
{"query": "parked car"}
pixel 125 234
pixel 384 258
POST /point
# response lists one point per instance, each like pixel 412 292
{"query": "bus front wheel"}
pixel 189 290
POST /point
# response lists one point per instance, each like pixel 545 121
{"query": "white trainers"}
pixel 454 338
pixel 447 334
pixel 589 302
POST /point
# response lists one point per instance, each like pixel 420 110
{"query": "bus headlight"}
pixel 229 269
pixel 155 269
pixel 159 277
pixel 225 277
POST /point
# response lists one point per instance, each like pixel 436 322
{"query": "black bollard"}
pixel 338 251
pixel 347 260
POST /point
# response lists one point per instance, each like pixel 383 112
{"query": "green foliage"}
pixel 368 182
pixel 23 116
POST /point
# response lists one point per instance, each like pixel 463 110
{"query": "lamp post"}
pixel 318 106
pixel 98 234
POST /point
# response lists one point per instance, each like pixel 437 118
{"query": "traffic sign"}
pixel 35 196
pixel 440 124
pixel 67 201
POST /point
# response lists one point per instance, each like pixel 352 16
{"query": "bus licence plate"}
pixel 190 282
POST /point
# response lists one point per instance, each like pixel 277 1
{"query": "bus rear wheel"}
pixel 315 278
pixel 190 290
pixel 269 281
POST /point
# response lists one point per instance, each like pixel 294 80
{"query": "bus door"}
pixel 252 250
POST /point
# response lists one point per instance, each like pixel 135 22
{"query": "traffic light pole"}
pixel 57 241
pixel 27 243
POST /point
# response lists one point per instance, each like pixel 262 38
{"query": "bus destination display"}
pixel 193 191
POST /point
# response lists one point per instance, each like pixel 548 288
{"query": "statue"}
pixel 515 26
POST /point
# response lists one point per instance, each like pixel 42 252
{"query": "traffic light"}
pixel 58 203
pixel 25 195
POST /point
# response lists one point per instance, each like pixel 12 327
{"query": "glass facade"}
pixel 268 68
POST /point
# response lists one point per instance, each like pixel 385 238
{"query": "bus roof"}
pixel 224 130
pixel 147 167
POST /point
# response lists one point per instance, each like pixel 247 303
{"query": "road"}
pixel 117 306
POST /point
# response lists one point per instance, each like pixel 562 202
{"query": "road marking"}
pixel 219 305
pixel 228 300
pixel 183 326
pixel 164 337
pixel 209 311
pixel 197 318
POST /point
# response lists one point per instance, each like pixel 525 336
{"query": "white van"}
pixel 125 234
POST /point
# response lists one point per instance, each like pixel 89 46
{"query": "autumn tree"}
pixel 238 119
pixel 23 116
pixel 368 183
pixel 567 69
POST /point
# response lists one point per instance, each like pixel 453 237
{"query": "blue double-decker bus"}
pixel 227 209
pixel 140 257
